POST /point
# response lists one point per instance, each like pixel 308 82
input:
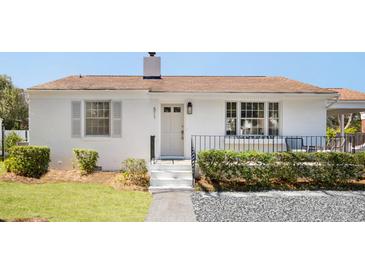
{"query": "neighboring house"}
pixel 117 115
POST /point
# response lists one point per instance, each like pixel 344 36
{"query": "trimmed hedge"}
pixel 326 168
pixel 28 161
pixel 86 159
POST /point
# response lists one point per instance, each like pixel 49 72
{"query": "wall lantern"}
pixel 190 108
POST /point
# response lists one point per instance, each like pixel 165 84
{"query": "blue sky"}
pixel 322 69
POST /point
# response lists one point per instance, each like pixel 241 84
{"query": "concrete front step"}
pixel 158 189
pixel 171 182
pixel 171 174
pixel 162 167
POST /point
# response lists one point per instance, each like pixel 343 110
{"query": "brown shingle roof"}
pixel 349 94
pixel 183 84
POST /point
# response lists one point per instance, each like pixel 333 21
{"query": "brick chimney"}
pixel 152 66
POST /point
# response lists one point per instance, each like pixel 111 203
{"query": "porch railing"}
pixel 152 148
pixel 348 143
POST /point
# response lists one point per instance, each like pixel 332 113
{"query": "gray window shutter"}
pixel 117 119
pixel 76 119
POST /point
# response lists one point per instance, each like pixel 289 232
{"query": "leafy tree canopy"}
pixel 13 105
pixel 352 124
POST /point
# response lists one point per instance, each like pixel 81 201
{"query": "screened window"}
pixel 273 118
pixel 252 119
pixel 231 118
pixel 97 118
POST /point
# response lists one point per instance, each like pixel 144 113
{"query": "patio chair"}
pixel 296 144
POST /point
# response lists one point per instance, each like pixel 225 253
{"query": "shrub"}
pixel 333 132
pixel 220 165
pixel 11 140
pixel 134 166
pixel 29 161
pixel 86 159
pixel 352 130
pixel 134 172
pixel 326 168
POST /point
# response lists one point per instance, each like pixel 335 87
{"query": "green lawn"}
pixel 62 202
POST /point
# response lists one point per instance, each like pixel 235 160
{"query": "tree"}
pixel 5 82
pixel 13 105
pixel 352 123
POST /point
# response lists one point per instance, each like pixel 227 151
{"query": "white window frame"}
pixel 238 108
pixel 266 116
pixel 279 117
pixel 110 118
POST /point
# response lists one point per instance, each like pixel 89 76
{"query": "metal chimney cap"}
pixel 152 54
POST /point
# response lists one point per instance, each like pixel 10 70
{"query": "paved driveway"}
pixel 281 206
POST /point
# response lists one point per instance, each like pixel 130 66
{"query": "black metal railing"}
pixel 193 160
pixel 152 148
pixel 347 143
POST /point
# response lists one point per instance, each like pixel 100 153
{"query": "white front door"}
pixel 172 130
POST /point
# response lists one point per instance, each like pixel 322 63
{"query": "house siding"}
pixel 304 117
pixel 50 121
pixel 50 124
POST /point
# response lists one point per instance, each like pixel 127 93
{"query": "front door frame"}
pixel 172 157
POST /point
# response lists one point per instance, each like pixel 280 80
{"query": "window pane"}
pixel 177 109
pixel 252 118
pixel 231 118
pixel 273 127
pixel 273 119
pixel 97 118
pixel 166 109
pixel 231 126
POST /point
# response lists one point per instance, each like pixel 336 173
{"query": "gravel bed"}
pixel 280 206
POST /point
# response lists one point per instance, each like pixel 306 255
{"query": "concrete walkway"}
pixel 173 206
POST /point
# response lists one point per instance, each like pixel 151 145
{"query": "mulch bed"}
pixel 203 184
pixel 26 220
pixel 54 175
pixel 111 178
